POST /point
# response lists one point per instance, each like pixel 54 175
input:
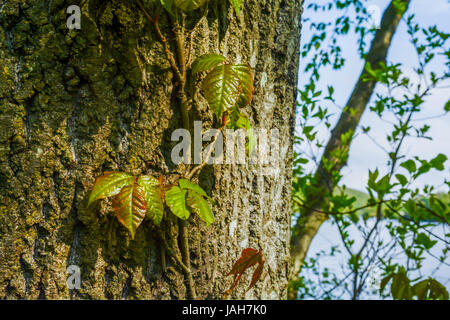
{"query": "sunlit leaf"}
pixel 153 197
pixel 130 207
pixel 109 184
pixel 207 62
pixel 222 88
pixel 176 200
pixel 200 206
pixel 186 184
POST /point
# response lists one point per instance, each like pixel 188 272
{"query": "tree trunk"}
pixel 77 103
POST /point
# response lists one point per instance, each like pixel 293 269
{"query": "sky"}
pixel 364 153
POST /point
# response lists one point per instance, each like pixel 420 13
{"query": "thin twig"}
pixel 162 38
pixel 180 74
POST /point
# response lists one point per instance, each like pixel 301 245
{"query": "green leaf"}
pixel 400 288
pixel 245 75
pixel 402 179
pixel 207 62
pixel 437 290
pixel 186 184
pixel 222 88
pixel 153 197
pixel 176 200
pixel 425 241
pixel 236 5
pixel 438 161
pixel 447 106
pixel 130 207
pixel 109 184
pixel 409 165
pixel 430 289
pixel 384 282
pixel 420 289
pixel 189 5
pixel 200 206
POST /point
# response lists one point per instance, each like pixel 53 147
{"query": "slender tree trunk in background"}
pixel 310 219
pixel 74 104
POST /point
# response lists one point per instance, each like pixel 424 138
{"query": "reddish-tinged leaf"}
pixel 249 257
pixel 256 274
pixel 109 184
pixel 130 207
pixel 245 75
pixel 235 282
pixel 153 197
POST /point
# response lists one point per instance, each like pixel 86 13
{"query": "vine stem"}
pixel 184 106
pixel 180 74
pixel 175 257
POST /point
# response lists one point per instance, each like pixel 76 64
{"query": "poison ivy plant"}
pixel 207 62
pixel 134 198
pixel 109 185
pixel 249 258
pixel 245 75
pixel 227 85
pixel 154 193
pixel 189 196
pixel 130 206
pixel 137 198
pixel 176 201
pixel 222 88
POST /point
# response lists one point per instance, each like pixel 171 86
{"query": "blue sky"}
pixel 364 153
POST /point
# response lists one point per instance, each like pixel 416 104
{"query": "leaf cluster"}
pixel 138 197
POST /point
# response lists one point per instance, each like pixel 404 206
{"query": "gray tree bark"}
pixel 77 103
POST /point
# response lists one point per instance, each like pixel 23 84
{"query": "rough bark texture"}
pixel 312 216
pixel 76 103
